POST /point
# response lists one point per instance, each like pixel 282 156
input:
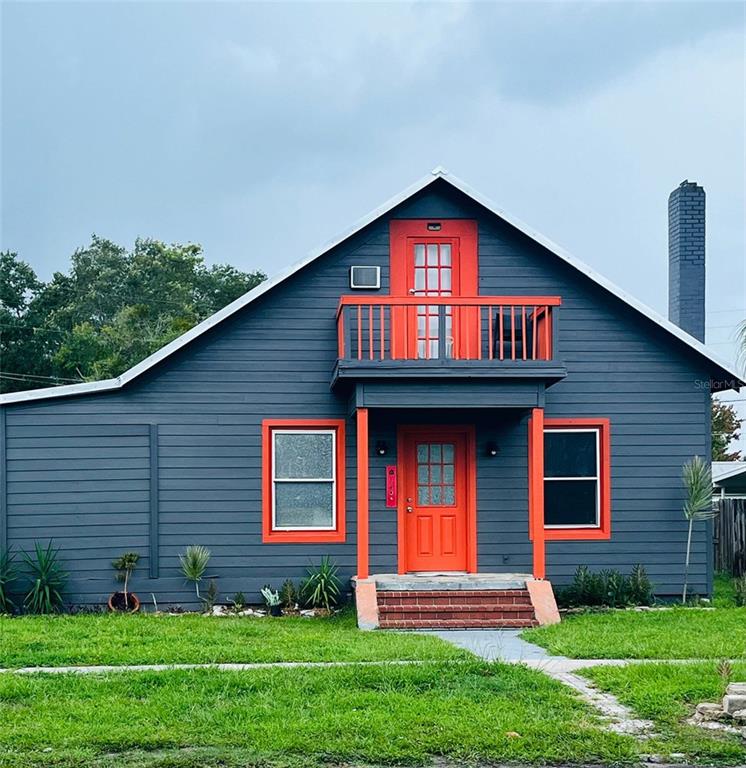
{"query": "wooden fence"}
pixel 730 536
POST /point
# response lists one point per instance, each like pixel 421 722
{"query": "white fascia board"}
pixel 268 285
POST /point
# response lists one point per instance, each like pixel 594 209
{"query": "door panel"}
pixel 434 469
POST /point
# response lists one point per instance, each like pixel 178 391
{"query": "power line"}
pixel 36 376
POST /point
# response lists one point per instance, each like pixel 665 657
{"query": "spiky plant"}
pixel 8 574
pixel 124 566
pixel 697 477
pixel 194 564
pixel 322 588
pixel 47 580
pixel 640 586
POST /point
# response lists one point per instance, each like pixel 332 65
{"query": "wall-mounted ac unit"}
pixel 365 277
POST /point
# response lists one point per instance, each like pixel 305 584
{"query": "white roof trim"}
pixel 267 285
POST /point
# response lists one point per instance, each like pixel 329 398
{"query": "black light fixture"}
pixel 491 448
pixel 381 448
pixel 434 226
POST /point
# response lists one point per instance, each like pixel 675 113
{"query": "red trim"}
pixel 270 536
pixel 469 432
pixel 472 301
pixel 536 491
pixel 603 532
pixel 362 493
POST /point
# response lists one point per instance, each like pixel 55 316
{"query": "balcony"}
pixel 447 337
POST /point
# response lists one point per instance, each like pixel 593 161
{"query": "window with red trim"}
pixel 577 493
pixel 303 470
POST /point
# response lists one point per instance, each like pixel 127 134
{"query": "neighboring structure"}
pixel 729 479
pixel 440 392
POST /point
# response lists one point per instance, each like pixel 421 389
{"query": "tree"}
pixel 110 310
pixel 698 504
pixel 725 430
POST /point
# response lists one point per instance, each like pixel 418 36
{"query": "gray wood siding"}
pixel 78 468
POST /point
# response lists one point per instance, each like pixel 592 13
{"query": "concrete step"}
pixel 460 623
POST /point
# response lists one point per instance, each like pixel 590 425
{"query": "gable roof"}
pixel 437 173
pixel 724 470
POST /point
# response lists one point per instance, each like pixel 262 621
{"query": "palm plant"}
pixel 7 575
pixel 124 566
pixel 47 580
pixel 698 504
pixel 194 564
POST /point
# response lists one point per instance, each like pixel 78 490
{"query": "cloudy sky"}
pixel 261 130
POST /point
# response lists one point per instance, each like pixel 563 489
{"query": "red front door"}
pixel 435 498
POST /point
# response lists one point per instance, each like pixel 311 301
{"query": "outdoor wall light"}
pixel 434 226
pixel 381 448
pixel 491 448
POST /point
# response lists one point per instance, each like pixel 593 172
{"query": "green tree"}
pixel 111 309
pixel 726 428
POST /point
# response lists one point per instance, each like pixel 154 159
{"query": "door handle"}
pixel 409 509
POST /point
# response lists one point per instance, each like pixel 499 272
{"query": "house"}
pixel 448 404
pixel 729 479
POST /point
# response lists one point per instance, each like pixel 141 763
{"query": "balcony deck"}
pixel 484 337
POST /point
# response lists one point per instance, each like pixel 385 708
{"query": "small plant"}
pixel 697 477
pixel 47 580
pixel 616 589
pixel 211 595
pixel 8 575
pixel 739 590
pixel 725 671
pixel 289 595
pixel 321 589
pixel 640 586
pixel 272 599
pixel 125 566
pixel 238 601
pixel 194 564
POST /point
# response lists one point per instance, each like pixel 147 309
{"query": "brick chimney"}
pixel 686 258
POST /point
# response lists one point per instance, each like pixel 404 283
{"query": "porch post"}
pixel 362 493
pixel 536 491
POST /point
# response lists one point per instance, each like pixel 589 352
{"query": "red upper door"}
pixel 433 258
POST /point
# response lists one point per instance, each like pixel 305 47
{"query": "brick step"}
pixel 444 601
pixel 460 623
pixel 518 610
pixel 452 598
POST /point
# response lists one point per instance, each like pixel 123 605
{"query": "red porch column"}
pixel 362 493
pixel 536 490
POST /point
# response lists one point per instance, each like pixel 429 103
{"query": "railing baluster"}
pixel 380 323
pixel 490 350
pixel 533 334
pixel 547 345
pixel 479 332
pixel 341 333
pixel 370 331
pixel 523 330
pixel 512 332
pixel 441 332
pixel 359 331
pixel 500 308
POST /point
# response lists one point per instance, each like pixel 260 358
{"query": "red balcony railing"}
pixel 446 327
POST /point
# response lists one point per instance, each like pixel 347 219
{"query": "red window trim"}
pixel 271 536
pixel 603 531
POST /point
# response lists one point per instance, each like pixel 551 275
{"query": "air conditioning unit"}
pixel 365 277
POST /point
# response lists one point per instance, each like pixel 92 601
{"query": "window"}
pixel 577 492
pixel 303 489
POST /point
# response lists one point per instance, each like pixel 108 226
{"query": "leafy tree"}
pixel 111 309
pixel 725 429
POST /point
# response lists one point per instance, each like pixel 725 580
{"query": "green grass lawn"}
pixel 675 633
pixel 389 714
pixel 668 694
pixel 191 638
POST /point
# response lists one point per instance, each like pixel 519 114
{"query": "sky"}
pixel 263 130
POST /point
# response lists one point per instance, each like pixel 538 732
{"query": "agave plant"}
pixel 321 589
pixel 698 504
pixel 47 580
pixel 7 575
pixel 194 564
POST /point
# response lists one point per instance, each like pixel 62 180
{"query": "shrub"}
pixel 194 564
pixel 640 586
pixel 124 566
pixel 47 580
pixel 238 601
pixel 8 575
pixel 321 588
pixel 739 590
pixel 211 595
pixel 271 596
pixel 289 595
pixel 617 589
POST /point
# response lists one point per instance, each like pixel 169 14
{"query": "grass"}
pixel 195 639
pixel 676 633
pixel 668 694
pixel 392 714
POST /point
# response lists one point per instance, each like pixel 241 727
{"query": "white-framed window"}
pixel 304 479
pixel 572 478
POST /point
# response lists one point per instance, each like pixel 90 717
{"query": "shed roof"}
pixel 723 370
